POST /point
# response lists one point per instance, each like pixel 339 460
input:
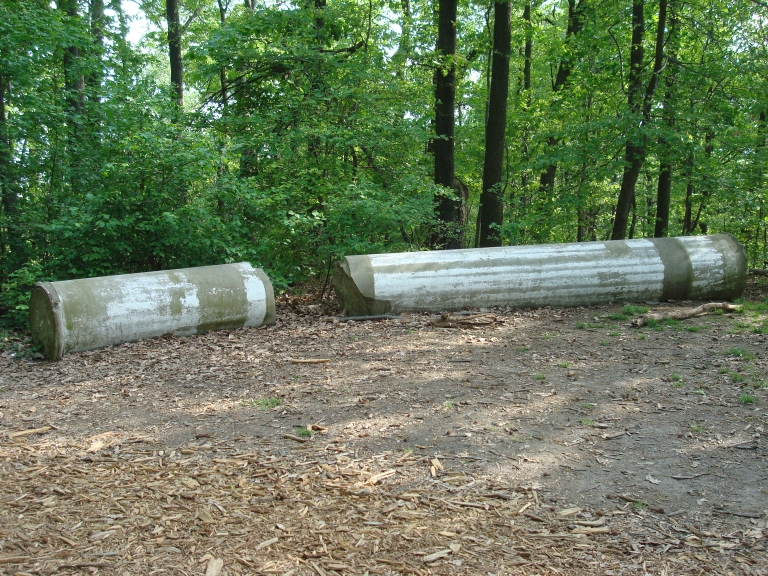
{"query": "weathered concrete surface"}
pixel 76 315
pixel 577 274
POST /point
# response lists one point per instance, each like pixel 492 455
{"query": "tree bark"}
pixel 174 49
pixel 8 187
pixel 403 52
pixel 74 82
pixel 575 24
pixel 450 233
pixel 95 74
pixel 640 111
pixel 491 199
pixel 664 188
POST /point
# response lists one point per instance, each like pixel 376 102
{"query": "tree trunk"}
pixel 664 188
pixel 222 70
pixel 8 186
pixel 640 111
pixel 95 74
pixel 403 52
pixel 575 24
pixel 74 82
pixel 491 199
pixel 450 232
pixel 174 49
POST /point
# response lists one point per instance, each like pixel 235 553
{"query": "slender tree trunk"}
pixel 9 198
pixel 492 199
pixel 709 148
pixel 448 212
pixel 174 49
pixel 689 191
pixel 95 74
pixel 640 103
pixel 664 188
pixel 575 24
pixel 222 70
pixel 74 82
pixel 403 52
pixel 8 186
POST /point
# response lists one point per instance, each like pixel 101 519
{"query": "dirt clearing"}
pixel 552 441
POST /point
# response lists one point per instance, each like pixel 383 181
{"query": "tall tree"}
pixel 491 200
pixel 664 187
pixel 96 69
pixel 174 49
pixel 575 24
pixel 640 101
pixel 450 233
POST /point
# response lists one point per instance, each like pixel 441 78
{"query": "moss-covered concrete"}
pixel 89 313
pixel 576 274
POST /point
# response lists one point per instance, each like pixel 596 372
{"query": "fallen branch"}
pixel 684 314
pixel 758 272
pixel 474 321
pixel 366 318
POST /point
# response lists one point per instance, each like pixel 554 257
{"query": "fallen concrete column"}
pixel 577 274
pixel 76 315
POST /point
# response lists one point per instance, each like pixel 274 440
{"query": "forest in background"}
pixel 291 133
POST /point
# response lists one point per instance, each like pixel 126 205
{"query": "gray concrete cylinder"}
pixel 577 274
pixel 76 315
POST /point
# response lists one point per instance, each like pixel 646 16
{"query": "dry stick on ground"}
pixel 474 321
pixel 758 272
pixel 684 314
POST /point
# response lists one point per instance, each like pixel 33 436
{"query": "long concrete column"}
pixel 577 274
pixel 76 315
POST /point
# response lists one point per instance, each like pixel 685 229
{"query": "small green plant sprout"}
pixel 641 337
pixel 587 406
pixel 700 392
pixel 742 353
pixel 634 310
pixel 697 428
pixel 581 325
pixel 694 328
pixel 614 334
pixel 539 376
pixel 759 384
pixel 303 432
pixel 263 403
pixel 737 377
pixel 522 348
pixel 603 343
pixel 723 371
pixel 448 405
pixel 639 505
pixel 586 422
pixel 564 364
pixel 747 399
pixel 676 378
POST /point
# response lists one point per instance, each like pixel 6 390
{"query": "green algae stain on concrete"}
pixel 96 312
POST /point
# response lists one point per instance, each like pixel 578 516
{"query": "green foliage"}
pixel 305 135
pixel 747 399
pixel 264 403
pixel 742 353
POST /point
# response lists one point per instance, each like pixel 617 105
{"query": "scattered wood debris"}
pixel 684 314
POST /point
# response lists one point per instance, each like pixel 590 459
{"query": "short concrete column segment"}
pixel 76 315
pixel 576 274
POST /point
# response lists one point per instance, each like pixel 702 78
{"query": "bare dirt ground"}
pixel 552 441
